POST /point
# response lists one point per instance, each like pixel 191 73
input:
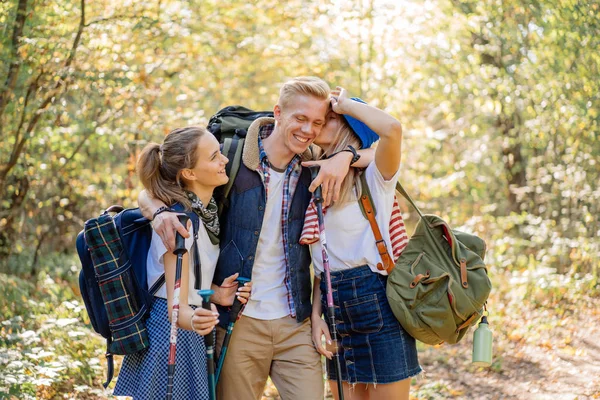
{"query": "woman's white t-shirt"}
pixel 350 239
pixel 209 253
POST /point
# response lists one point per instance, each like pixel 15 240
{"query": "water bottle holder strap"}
pixel 467 322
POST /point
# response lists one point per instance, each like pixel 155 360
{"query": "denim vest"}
pixel 241 223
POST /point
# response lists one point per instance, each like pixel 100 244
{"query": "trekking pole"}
pixel 180 250
pixel 209 340
pixel 314 171
pixel 234 314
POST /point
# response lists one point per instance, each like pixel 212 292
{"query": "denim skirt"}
pixel 372 345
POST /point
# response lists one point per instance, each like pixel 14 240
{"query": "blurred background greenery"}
pixel 499 100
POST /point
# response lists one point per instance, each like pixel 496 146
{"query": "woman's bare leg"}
pixel 356 392
pixel 389 391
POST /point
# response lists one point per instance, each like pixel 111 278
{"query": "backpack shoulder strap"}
pixel 232 148
pixel 404 194
pixel 196 251
pixel 159 282
pixel 364 191
pixel 368 209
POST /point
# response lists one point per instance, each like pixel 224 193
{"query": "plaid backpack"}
pixel 113 251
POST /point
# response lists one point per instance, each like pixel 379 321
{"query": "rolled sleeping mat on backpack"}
pixel 120 293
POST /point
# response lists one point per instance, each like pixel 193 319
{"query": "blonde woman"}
pixel 377 356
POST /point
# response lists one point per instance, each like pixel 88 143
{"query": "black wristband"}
pixel 350 149
pixel 160 210
pixel 355 155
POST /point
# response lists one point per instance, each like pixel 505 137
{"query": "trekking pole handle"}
pixel 205 294
pixel 209 340
pixel 180 240
pixel 236 308
pixel 314 172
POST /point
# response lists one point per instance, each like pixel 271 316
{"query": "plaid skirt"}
pixel 144 375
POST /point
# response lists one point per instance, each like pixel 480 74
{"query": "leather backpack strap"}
pixel 369 212
pixel 400 189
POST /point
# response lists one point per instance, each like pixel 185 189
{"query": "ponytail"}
pixel 159 166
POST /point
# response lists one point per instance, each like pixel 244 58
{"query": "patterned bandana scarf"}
pixel 208 215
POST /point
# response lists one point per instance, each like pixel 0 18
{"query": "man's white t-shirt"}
pixel 209 254
pixel 268 300
pixel 350 239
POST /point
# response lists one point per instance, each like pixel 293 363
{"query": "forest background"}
pixel 499 102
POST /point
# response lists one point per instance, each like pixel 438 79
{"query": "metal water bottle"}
pixel 482 344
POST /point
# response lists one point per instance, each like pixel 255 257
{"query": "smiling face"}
pixel 300 121
pixel 209 170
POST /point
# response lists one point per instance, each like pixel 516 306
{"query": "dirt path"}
pixel 520 371
pixel 541 354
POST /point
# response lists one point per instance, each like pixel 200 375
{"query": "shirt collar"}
pixel 264 132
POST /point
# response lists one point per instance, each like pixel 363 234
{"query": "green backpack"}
pixel 439 285
pixel 230 126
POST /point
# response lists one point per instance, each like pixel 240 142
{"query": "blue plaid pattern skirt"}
pixel 144 374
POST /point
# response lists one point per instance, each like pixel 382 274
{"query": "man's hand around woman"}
pixel 165 224
pixel 332 172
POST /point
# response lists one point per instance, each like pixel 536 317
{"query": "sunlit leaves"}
pixel 471 81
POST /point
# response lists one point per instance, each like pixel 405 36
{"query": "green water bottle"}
pixel 482 344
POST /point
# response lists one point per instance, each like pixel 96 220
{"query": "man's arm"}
pixel 164 224
pixel 333 171
pixel 148 204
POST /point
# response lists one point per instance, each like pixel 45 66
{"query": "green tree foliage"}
pixel 501 95
pixel 87 84
pixel 507 91
pixel 499 100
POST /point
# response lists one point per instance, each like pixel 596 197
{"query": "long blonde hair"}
pixel 159 166
pixel 345 136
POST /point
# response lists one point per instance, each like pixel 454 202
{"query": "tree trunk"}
pixel 34 270
pixel 514 162
pixel 15 62
pixel 8 233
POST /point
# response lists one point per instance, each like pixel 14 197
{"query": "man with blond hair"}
pixel 260 231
